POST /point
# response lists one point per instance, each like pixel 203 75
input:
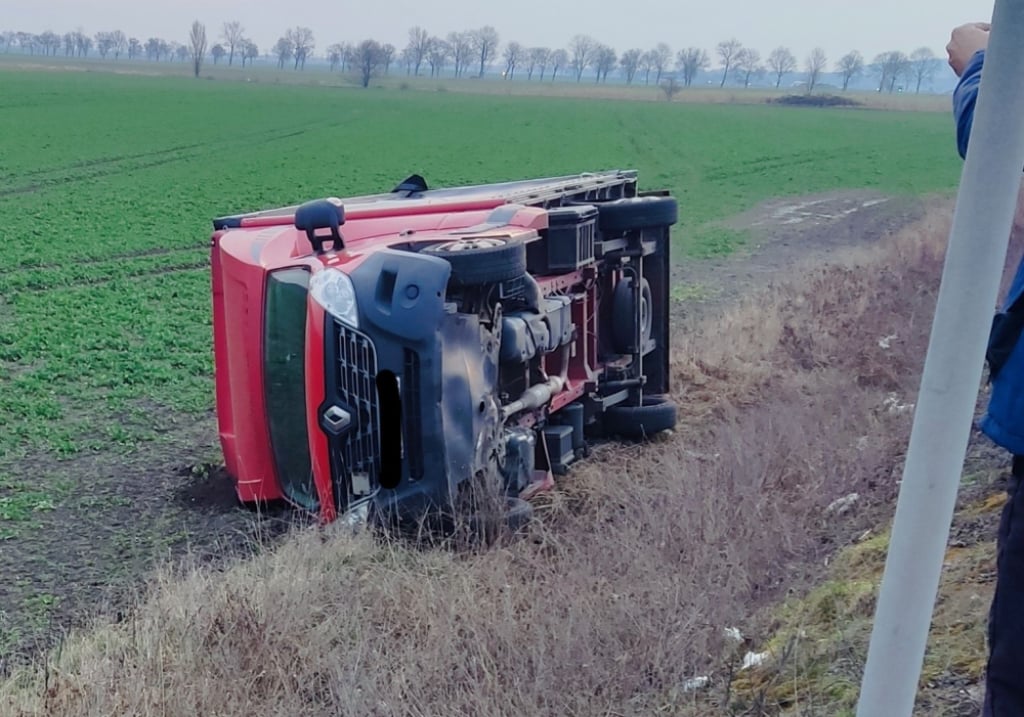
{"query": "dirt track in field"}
pixel 122 513
pixel 786 233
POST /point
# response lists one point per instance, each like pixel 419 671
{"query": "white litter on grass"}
pixel 696 683
pixel 842 506
pixel 754 659
pixel 893 404
pixel 886 341
pixel 356 518
pixel 733 634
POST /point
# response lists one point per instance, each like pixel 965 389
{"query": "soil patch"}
pixel 100 522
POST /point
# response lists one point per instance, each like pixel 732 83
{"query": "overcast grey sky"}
pixel 871 26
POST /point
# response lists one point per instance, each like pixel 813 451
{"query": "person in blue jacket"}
pixel 1003 421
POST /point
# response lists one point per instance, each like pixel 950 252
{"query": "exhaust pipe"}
pixel 541 393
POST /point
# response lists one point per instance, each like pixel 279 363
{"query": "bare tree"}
pixel 26 41
pixel 542 56
pixel 234 35
pixel 606 61
pixel 485 45
pixel 418 47
pixel 891 66
pixel 631 63
pixel 514 53
pixel 7 39
pixel 118 43
pixel 104 43
pixel 670 86
pixel 922 62
pixel 134 48
pixel 815 64
pixel 217 52
pixel 50 42
pixel 461 44
pixel 387 56
pixel 536 58
pixel 250 51
pixel 691 61
pixel 302 45
pixel 727 51
pixel 197 46
pixel 850 65
pixel 559 61
pixel 85 45
pixel 781 62
pixel 406 58
pixel 748 65
pixel 368 59
pixel 347 53
pixel 283 50
pixel 153 49
pixel 661 57
pixel 438 56
pixel 581 51
pixel 646 65
pixel 334 55
pixel 181 52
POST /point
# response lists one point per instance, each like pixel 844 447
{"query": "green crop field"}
pixel 107 186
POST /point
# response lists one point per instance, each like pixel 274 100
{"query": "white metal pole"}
pixel 952 374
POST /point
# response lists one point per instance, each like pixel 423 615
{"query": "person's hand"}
pixel 964 42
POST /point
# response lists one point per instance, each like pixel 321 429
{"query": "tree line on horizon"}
pixel 473 52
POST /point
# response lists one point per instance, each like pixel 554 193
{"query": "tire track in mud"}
pixel 86 163
pixel 76 283
pixel 768 163
pixel 90 261
pixel 105 167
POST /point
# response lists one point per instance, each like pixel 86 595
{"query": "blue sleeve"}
pixel 964 97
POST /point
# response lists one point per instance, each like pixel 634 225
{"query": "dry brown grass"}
pixel 617 595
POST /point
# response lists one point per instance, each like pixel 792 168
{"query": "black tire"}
pixel 655 414
pixel 632 213
pixel 482 260
pixel 624 316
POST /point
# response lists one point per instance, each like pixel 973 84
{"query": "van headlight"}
pixel 334 291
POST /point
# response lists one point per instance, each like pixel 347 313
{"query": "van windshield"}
pixel 284 339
